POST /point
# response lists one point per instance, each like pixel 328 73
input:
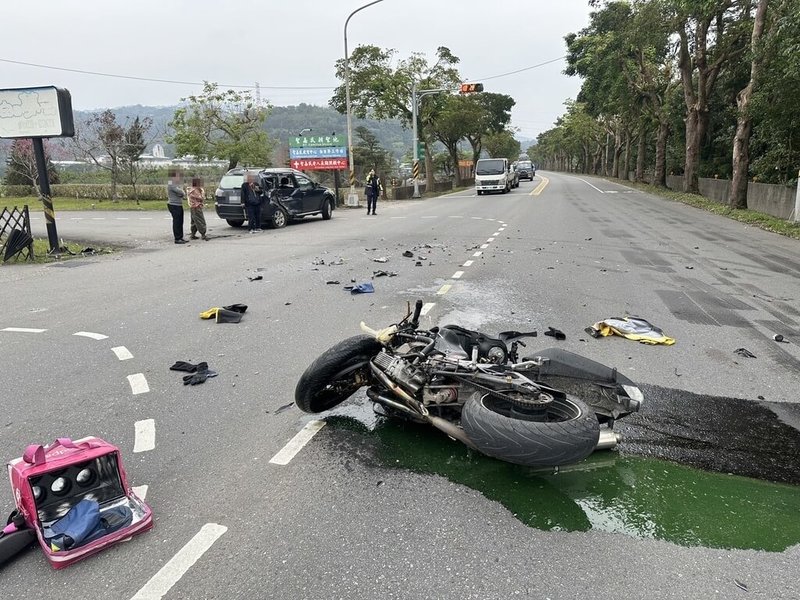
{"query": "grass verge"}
pixel 751 217
pixel 70 204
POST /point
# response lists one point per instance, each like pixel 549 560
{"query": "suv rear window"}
pixel 228 182
pixel 524 164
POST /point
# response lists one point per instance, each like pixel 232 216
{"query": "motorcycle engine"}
pixel 401 371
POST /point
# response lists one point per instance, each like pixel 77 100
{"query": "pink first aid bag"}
pixel 47 481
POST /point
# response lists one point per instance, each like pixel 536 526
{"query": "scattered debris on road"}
pixel 408 254
pixel 332 282
pixel 384 274
pixel 779 338
pixel 556 333
pixel 380 259
pixel 360 288
pixel 256 278
pixel 632 328
pixel 744 352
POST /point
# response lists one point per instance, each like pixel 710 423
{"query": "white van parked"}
pixel 493 175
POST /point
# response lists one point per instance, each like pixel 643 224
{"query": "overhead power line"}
pixel 135 78
pixel 547 62
pixel 229 85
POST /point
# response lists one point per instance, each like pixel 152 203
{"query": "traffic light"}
pixel 471 88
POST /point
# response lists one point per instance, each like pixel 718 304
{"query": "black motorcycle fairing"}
pixel 465 339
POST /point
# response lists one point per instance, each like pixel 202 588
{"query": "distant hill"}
pixel 283 122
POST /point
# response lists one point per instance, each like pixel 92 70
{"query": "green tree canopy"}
pixel 222 124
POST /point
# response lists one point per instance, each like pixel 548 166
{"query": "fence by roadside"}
pixel 769 198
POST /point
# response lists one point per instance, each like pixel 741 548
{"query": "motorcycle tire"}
pixel 533 443
pixel 325 382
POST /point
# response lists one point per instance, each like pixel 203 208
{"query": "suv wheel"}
pixel 327 211
pixel 280 218
pixel 235 222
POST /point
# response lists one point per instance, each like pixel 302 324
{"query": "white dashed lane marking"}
pixel 467 263
pixel 426 308
pixel 91 335
pixel 430 217
pixel 478 253
pixel 457 275
pixel 176 567
pixel 138 383
pixel 290 450
pixel 490 240
pixel 122 353
pixel 444 289
pixel 144 435
pixel 23 330
pixel 484 246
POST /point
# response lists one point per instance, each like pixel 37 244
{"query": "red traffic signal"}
pixel 471 88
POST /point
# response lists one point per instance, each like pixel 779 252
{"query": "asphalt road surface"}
pixel 329 523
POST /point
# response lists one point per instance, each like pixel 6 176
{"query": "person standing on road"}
pixel 197 195
pixel 251 197
pixel 175 196
pixel 373 190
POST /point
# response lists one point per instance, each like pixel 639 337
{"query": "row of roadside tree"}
pixel 693 87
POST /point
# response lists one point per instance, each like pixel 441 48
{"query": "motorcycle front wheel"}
pixel 334 376
pixel 565 433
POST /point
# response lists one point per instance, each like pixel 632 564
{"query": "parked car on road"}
pixel 526 169
pixel 292 195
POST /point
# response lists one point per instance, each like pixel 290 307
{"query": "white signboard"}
pixel 35 112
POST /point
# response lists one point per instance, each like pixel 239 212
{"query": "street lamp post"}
pixel 352 197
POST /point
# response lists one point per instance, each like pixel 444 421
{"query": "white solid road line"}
pixel 590 185
pixel 144 438
pixel 426 308
pixel 170 573
pixel 140 490
pixel 23 330
pixel 89 334
pixel 478 253
pixel 290 450
pixel 457 275
pixel 122 353
pixel 467 263
pixel 138 383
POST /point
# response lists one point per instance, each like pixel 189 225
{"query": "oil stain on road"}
pixel 635 490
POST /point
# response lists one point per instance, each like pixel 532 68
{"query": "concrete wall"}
pixel 773 199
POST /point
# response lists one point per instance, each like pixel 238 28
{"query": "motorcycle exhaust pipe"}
pixel 451 430
pixel 381 399
pixel 608 439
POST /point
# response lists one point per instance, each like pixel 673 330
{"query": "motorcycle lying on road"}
pixel 548 409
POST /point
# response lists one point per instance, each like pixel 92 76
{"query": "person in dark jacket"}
pixel 373 190
pixel 175 196
pixel 251 197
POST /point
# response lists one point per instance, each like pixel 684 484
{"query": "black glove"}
pixel 196 378
pixel 199 377
pixel 183 366
pixel 240 308
pixel 556 333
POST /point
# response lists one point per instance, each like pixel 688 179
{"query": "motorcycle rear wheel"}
pixel 331 378
pixel 568 436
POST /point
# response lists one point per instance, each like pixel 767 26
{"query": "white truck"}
pixel 493 175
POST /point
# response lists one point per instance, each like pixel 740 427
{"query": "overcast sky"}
pixel 282 43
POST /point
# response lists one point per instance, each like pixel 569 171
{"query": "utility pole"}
pixel 352 198
pixel 416 98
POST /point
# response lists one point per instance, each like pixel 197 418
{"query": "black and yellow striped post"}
pixel 47 202
pixel 415 172
pixel 352 178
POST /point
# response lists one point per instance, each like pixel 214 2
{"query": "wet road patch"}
pixel 617 492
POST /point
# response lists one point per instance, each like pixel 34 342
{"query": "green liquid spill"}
pixel 641 497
